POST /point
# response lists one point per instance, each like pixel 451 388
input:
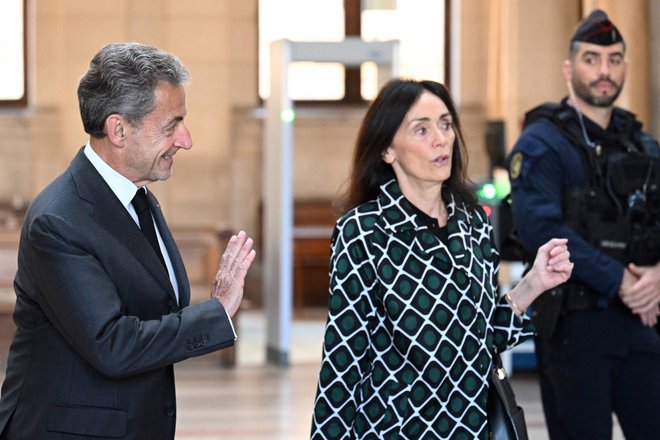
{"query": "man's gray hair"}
pixel 121 79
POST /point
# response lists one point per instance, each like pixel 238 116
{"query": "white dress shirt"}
pixel 125 190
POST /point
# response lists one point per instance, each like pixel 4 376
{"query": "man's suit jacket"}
pixel 98 325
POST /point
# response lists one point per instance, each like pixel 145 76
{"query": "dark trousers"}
pixel 599 362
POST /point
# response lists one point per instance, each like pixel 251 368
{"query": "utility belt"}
pixel 578 297
pixel 569 297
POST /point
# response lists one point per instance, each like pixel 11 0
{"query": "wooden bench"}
pixel 8 266
pixel 314 221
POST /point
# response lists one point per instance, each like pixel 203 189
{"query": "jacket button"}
pixel 169 411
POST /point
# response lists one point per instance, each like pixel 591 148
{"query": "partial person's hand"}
pixel 640 288
pixel 650 318
pixel 627 281
pixel 230 278
pixel 626 292
pixel 552 265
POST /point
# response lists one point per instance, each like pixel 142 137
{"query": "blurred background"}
pixel 499 58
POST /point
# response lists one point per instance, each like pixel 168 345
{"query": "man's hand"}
pixel 640 291
pixel 650 318
pixel 230 278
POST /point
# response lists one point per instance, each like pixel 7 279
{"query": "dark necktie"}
pixel 146 221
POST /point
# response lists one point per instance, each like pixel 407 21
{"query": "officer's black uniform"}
pixel 595 356
pixel 600 357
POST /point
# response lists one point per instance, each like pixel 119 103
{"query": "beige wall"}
pixel 510 57
pixel 533 42
pixel 525 43
pixel 510 61
pixel 215 39
pixel 469 83
pixel 217 184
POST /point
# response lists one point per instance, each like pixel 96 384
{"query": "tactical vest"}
pixel 618 209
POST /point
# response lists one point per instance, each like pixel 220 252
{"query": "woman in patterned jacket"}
pixel 414 312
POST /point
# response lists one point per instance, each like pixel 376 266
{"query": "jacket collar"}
pixel 398 214
pixel 400 218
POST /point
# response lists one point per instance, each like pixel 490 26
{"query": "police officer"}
pixel 583 169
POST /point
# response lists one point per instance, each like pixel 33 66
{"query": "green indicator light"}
pixel 489 191
pixel 288 115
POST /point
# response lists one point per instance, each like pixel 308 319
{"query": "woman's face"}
pixel 421 150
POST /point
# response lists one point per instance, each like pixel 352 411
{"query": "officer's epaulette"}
pixel 550 110
pixel 565 119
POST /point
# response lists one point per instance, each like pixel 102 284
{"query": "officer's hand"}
pixel 643 295
pixel 230 278
pixel 626 292
pixel 650 318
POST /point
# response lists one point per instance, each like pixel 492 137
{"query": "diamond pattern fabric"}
pixel 412 322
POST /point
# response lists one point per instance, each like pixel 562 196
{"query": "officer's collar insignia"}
pixel 516 165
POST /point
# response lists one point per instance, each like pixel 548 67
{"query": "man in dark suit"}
pixel 102 312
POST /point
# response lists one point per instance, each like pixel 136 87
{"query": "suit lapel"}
pixel 113 217
pixel 172 250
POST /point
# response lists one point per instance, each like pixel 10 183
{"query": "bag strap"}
pixel 500 380
pixel 502 387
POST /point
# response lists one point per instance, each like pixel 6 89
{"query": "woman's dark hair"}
pixel 384 116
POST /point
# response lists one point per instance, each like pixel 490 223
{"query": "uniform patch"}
pixel 516 165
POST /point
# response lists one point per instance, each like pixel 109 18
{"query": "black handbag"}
pixel 506 419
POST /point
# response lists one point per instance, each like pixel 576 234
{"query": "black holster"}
pixel 546 310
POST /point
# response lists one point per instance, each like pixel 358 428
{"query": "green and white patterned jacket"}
pixel 412 325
